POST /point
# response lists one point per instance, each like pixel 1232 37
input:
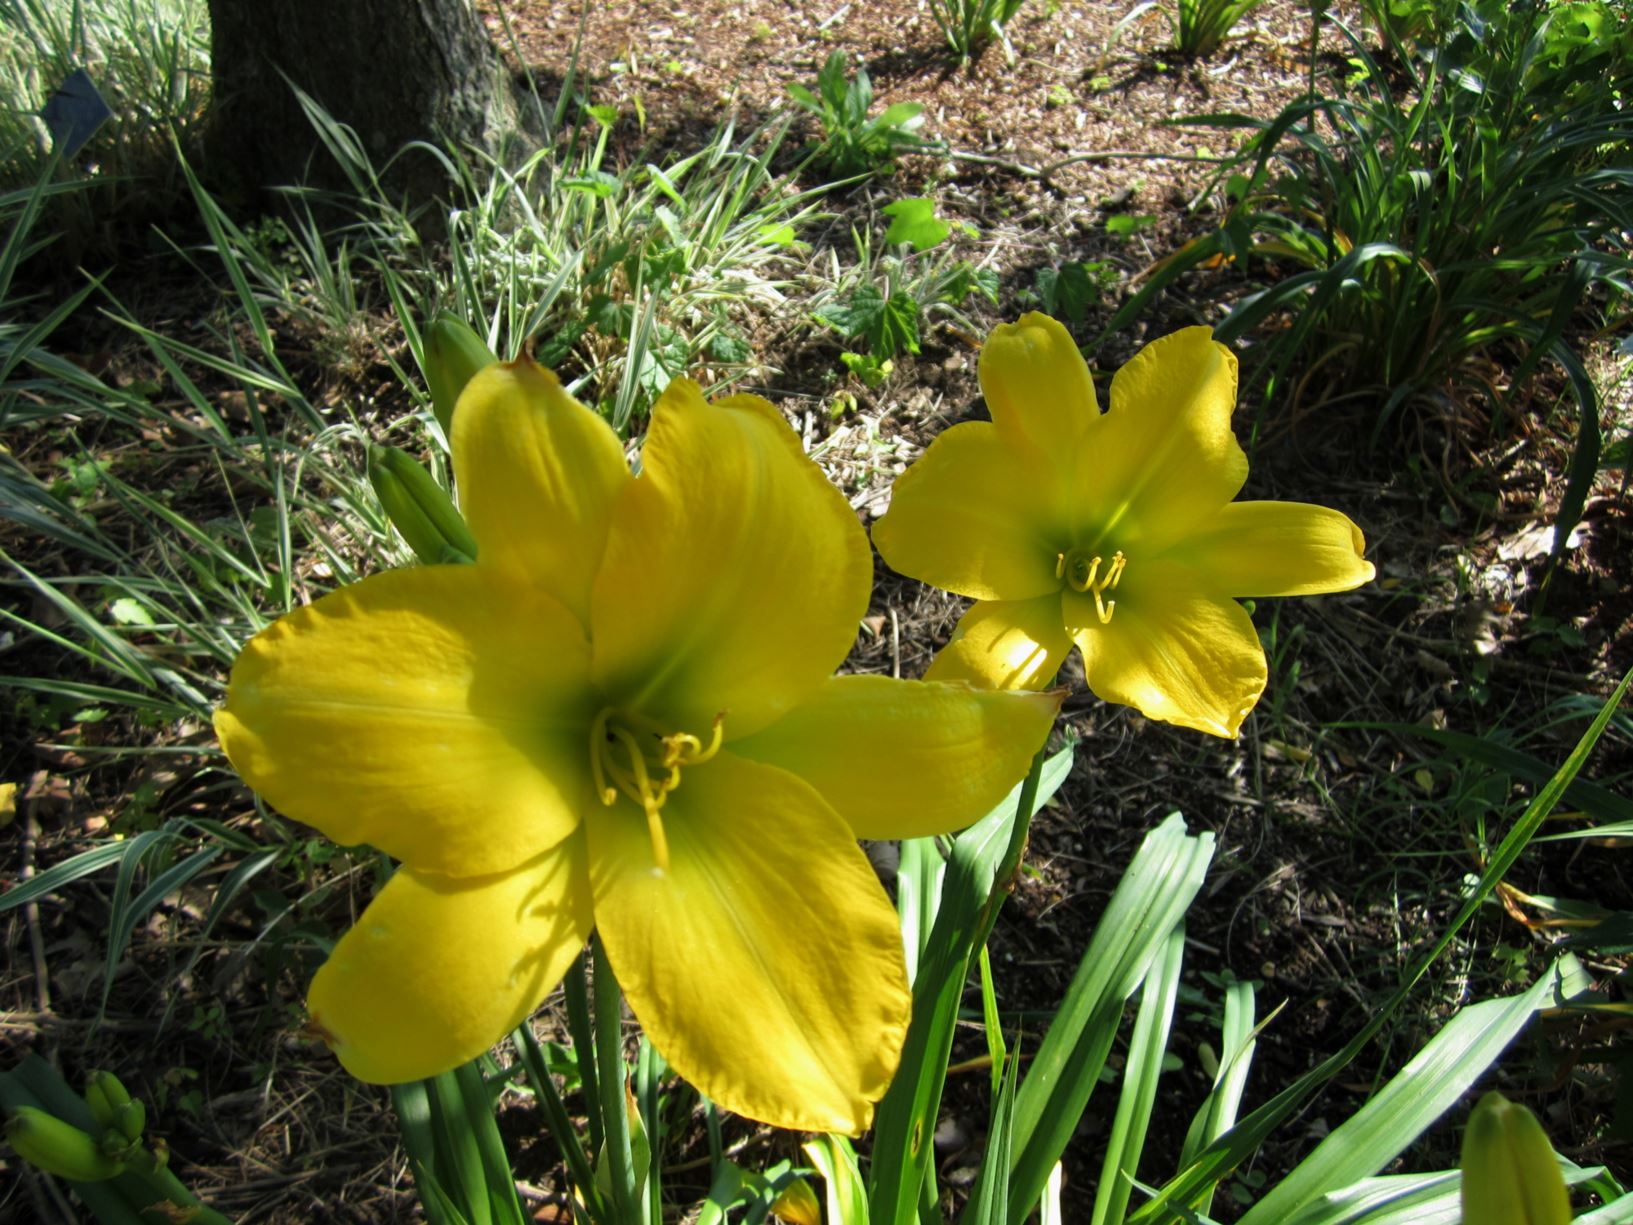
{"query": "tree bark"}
pixel 394 71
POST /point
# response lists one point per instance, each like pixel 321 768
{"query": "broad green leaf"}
pixel 914 221
pixel 856 314
pixel 897 327
pixel 900 115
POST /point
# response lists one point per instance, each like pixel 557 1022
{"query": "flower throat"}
pixel 1082 573
pixel 633 756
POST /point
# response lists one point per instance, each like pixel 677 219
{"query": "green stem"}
pixel 166 1186
pixel 578 1022
pixel 610 1071
pixel 557 1120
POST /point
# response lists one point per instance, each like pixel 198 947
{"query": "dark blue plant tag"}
pixel 74 113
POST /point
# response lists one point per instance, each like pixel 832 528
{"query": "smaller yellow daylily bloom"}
pixel 1115 532
pixel 623 716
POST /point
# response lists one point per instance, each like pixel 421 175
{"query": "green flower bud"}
pixel 453 353
pixel 57 1147
pixel 1510 1174
pixel 104 1094
pixel 419 509
pixel 130 1119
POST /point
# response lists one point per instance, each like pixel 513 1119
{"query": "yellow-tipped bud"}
pixel 57 1147
pixel 1510 1174
pixel 798 1204
pixel 419 509
pixel 453 353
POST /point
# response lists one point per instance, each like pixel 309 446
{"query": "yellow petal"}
pixel 438 713
pixel 1008 644
pixel 437 970
pixel 538 474
pixel 1172 650
pixel 975 516
pixel 1277 548
pixel 765 964
pixel 904 759
pixel 735 574
pixel 1037 387
pixel 1163 459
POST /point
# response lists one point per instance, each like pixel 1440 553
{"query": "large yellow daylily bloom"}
pixel 1113 531
pixel 623 716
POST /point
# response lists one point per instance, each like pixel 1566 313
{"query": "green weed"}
pixel 970 25
pixel 854 145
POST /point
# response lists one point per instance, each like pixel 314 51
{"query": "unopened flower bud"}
pixel 1510 1174
pixel 453 353
pixel 59 1148
pixel 419 509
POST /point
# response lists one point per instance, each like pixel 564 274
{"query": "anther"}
pixel 1084 574
pixel 629 754
pixel 1114 573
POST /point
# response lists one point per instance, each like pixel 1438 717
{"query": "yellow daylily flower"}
pixel 1114 531
pixel 622 716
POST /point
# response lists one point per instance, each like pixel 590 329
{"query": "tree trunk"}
pixel 394 71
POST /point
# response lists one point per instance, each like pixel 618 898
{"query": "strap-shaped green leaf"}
pixel 905 1123
pixel 1215 1163
pixel 1413 1099
pixel 1146 1049
pixel 1148 904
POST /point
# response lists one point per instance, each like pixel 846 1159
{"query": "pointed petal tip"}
pixel 681 391
pixel 436 971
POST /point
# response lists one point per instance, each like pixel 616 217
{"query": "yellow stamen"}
pixel 660 840
pixel 626 761
pixel 598 748
pixel 644 792
pixel 1114 574
pixel 1083 574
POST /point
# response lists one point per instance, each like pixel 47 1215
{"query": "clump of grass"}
pixel 150 61
pixel 1413 238
pixel 1201 26
pixel 971 25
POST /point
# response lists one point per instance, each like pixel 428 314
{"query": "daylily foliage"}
pixel 1112 531
pixel 623 716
